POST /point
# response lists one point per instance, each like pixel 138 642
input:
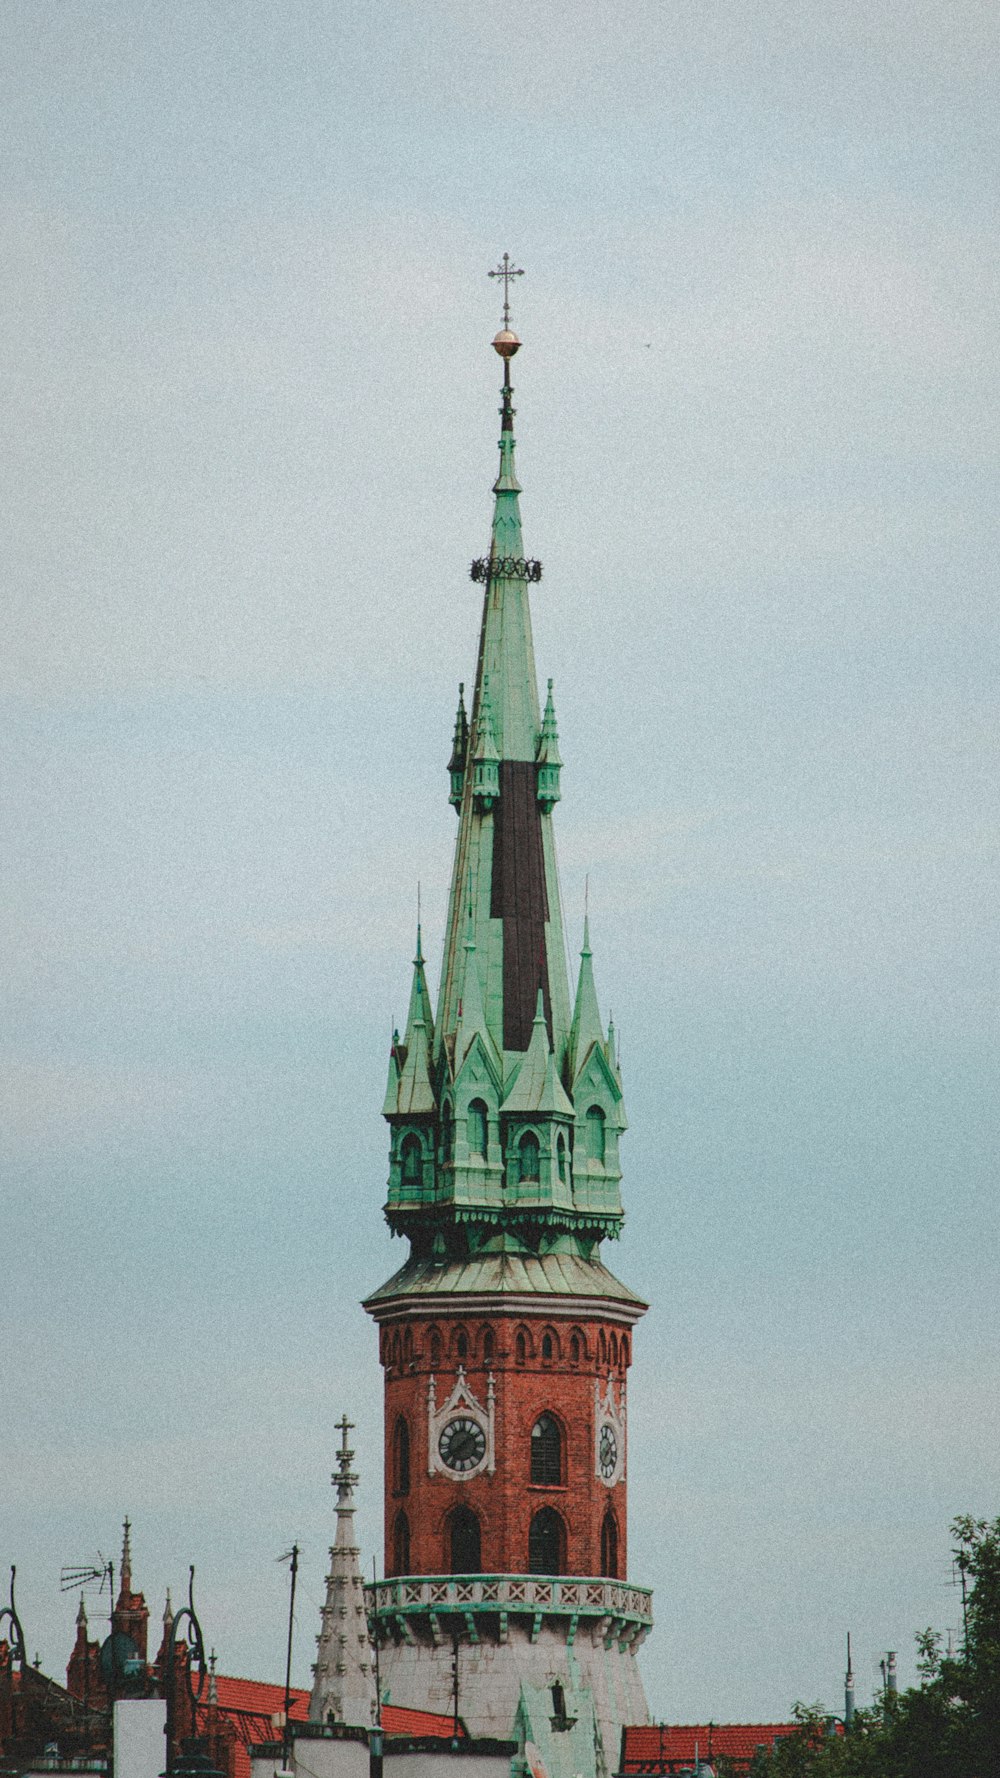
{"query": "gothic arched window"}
pixel 401 1544
pixel 609 1546
pixel 561 1155
pixel 447 1133
pixel 530 1155
pixel 595 1133
pixel 401 1457
pixel 546 1543
pixel 547 1347
pixel 575 1348
pixel 546 1452
pixel 464 1542
pixel 411 1162
pixel 489 1346
pixel 435 1343
pixel 461 1345
pixel 521 1349
pixel 477 1127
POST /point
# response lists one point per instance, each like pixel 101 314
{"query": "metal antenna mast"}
pixel 292 1556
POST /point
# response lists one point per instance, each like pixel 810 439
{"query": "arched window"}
pixel 489 1346
pixel 464 1542
pixel 561 1155
pixel 401 1545
pixel 461 1345
pixel 447 1133
pixel 602 1348
pixel 575 1350
pixel 546 1452
pixel 521 1349
pixel 529 1155
pixel 408 1346
pixel 613 1353
pixel 595 1133
pixel 609 1546
pixel 435 1348
pixel 401 1457
pixel 478 1127
pixel 624 1349
pixel 411 1162
pixel 546 1345
pixel 546 1543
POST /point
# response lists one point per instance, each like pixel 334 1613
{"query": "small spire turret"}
pixel 126 1568
pixel 548 758
pixel 587 1028
pixel 485 755
pixel 459 752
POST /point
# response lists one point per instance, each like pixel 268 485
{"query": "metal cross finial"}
pixel 344 1426
pixel 506 271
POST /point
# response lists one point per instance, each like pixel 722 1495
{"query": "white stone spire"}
pixel 344 1677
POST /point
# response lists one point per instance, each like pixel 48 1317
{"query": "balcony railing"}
pixel 623 1611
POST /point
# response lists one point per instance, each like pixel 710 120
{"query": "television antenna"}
pixel 81 1575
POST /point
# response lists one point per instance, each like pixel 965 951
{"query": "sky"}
pixel 247 436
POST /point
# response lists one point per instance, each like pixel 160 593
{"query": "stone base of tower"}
pixel 546 1661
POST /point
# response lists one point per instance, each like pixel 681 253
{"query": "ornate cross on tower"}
pixel 344 1426
pixel 506 271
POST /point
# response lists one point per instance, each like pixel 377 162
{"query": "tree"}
pixel 948 1726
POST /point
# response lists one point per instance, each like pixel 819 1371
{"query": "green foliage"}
pixel 948 1726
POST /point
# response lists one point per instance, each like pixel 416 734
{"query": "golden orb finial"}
pixel 506 343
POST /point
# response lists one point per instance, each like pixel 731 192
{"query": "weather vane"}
pixel 506 271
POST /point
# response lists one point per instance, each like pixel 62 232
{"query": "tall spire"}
pixel 505 843
pixel 473 1098
pixel 344 1682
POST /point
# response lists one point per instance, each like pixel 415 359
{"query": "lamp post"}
pixel 191 1759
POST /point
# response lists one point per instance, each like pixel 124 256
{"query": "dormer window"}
pixel 529 1155
pixel 477 1129
pixel 595 1134
pixel 410 1162
pixel 447 1134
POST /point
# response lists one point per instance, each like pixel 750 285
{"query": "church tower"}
pixel 505 1340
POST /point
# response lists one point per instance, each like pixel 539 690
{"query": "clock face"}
pixel 462 1445
pixel 607 1451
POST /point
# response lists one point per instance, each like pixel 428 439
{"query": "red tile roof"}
pixel 398 1719
pixel 256 1697
pixel 252 1704
pixel 668 1747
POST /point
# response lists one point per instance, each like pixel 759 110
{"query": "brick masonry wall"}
pixel 506 1501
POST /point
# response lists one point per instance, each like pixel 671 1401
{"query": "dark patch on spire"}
pixel 518 898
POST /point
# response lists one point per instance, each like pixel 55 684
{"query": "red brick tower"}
pixel 504 1338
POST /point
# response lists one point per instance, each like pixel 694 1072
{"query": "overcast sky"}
pixel 249 429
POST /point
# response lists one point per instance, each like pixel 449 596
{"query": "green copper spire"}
pixel 506 1109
